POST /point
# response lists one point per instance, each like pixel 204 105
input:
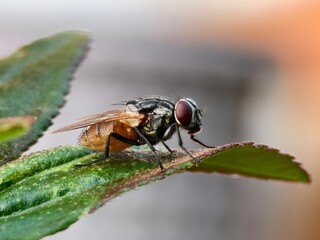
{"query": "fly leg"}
pixel 120 138
pixel 150 146
pixel 107 147
pixel 181 145
pixel 171 155
pixel 201 143
pixel 168 133
pixel 167 147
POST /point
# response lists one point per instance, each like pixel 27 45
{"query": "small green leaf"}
pixel 252 160
pixel 44 193
pixel 14 127
pixel 34 80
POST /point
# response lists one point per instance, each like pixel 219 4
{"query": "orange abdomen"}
pixel 95 136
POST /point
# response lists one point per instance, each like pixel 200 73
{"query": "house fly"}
pixel 140 121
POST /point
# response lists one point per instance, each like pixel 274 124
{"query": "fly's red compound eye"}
pixel 183 113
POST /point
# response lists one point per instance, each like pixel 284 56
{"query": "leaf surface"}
pixel 34 80
pixel 44 193
pixel 14 127
pixel 253 160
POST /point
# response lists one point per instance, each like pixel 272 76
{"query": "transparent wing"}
pixel 113 115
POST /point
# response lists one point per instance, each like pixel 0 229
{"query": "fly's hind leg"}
pixel 90 163
pixel 120 138
pixel 107 148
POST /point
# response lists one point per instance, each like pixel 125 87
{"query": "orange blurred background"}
pixel 253 65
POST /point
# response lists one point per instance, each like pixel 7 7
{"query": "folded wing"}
pixel 128 115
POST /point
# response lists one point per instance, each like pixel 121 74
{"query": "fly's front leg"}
pixel 107 147
pixel 150 146
pixel 181 145
pixel 201 143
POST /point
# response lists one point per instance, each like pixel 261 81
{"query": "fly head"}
pixel 188 115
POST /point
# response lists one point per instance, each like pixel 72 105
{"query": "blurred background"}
pixel 253 65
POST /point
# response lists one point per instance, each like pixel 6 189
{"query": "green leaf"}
pixel 14 127
pixel 44 193
pixel 34 80
pixel 249 159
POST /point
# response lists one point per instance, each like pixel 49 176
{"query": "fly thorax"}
pixel 163 112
